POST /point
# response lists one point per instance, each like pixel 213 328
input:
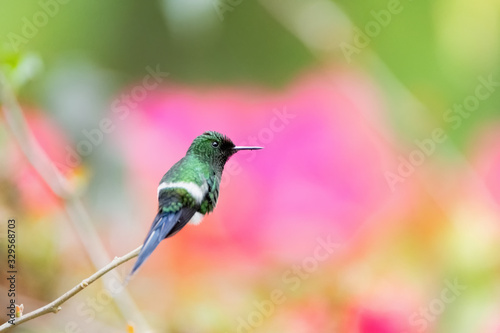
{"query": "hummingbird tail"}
pixel 162 225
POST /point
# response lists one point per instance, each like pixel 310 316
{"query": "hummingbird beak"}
pixel 238 148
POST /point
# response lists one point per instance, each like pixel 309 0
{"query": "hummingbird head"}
pixel 215 148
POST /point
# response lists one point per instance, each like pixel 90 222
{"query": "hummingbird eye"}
pixel 215 144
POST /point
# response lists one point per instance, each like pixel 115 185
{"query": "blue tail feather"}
pixel 162 225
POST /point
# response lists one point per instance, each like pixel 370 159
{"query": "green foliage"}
pixel 19 68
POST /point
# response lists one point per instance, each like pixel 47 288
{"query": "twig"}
pixel 73 205
pixel 55 306
pixel 30 147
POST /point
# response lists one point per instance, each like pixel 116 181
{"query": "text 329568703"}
pixel 11 269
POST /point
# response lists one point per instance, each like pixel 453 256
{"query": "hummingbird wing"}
pixel 172 215
pixel 162 225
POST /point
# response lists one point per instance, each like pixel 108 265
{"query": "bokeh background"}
pixel 373 208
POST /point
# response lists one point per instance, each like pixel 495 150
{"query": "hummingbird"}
pixel 189 190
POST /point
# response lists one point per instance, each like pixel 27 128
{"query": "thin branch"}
pixel 78 215
pixel 30 147
pixel 55 306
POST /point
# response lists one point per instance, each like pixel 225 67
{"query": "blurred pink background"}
pixel 320 179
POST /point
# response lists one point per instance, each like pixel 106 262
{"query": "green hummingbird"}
pixel 189 190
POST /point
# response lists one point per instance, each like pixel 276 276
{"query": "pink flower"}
pixel 487 159
pixel 321 172
pixel 35 194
